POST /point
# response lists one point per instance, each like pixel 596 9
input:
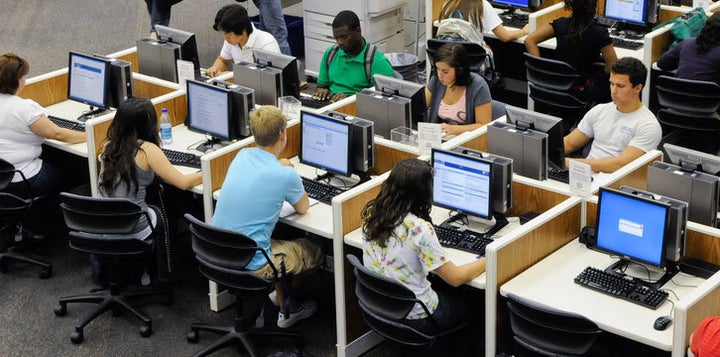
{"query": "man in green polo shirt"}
pixel 348 72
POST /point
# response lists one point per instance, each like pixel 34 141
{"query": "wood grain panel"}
pixel 145 89
pixel 177 108
pixel 530 198
pixel 219 168
pixel 100 134
pixel 352 208
pixel 707 306
pixel 667 14
pixel 550 17
pixel 637 178
pixel 132 58
pixel 387 157
pixel 591 214
pixel 47 92
pixel 349 109
pixel 292 148
pixel 702 246
pixel 478 143
pixel 660 44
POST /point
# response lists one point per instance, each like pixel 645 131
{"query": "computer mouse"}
pixel 662 323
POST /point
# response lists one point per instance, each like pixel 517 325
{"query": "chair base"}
pixel 115 301
pixel 234 337
pixel 5 257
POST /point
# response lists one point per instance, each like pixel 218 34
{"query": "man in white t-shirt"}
pixel 622 130
pixel 240 37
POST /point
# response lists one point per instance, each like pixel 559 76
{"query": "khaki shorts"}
pixel 300 255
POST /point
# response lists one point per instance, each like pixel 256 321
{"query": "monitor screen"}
pixel 187 42
pixel 520 4
pixel 406 89
pixel 88 78
pixel 209 110
pixel 325 143
pixel 636 12
pixel 462 183
pixel 632 226
pixel 526 119
pixel 287 65
pixel 693 160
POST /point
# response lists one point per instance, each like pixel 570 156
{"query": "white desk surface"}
pixel 550 283
pixel 70 110
pixel 458 257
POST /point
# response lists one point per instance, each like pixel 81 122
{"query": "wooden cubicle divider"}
pixel 702 246
pixel 176 106
pixel 386 157
pixel 48 91
pixel 527 198
pixel 708 305
pixel 146 89
pixel 638 177
pixel 131 57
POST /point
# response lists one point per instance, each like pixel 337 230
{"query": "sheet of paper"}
pixel 186 70
pixel 288 209
pixel 580 178
pixel 429 136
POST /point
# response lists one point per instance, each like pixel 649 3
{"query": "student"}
pixel 273 20
pixel 399 242
pixel 457 98
pixel 240 37
pixel 481 14
pixel 258 181
pixel 580 42
pixel 622 130
pixel 696 58
pixel 159 11
pixel 346 74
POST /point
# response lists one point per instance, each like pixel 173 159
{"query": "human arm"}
pixel 609 56
pixel 157 162
pixel 303 204
pixel 48 130
pixel 669 60
pixel 575 141
pixel 613 163
pixel 458 275
pixel 545 32
pixel 505 35
pixel 483 115
pixel 219 66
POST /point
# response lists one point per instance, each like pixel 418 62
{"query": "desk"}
pixel 550 283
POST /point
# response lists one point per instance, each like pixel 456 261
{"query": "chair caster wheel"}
pixel 77 337
pixel 60 310
pixel 146 330
pixel 45 273
pixel 192 336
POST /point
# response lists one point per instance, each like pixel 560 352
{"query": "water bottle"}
pixel 165 127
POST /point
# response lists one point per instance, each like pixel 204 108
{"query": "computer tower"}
pixel 362 132
pixel 699 189
pixel 121 84
pixel 501 179
pixel 158 58
pixel 386 111
pixel 675 248
pixel 527 148
pixel 266 81
pixel 242 100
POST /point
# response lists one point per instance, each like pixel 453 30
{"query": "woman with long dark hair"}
pixel 400 243
pixel 696 58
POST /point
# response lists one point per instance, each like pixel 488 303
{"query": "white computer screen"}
pixel 462 183
pixel 86 80
pixel 208 110
pixel 325 143
pixel 626 10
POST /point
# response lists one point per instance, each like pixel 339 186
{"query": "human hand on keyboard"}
pixel 322 93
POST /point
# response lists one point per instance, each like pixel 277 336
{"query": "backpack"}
pixel 369 56
pixel 455 28
pixel 686 25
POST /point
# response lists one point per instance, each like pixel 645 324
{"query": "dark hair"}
pixel 583 14
pixel 455 55
pixel 709 35
pixel 12 68
pixel 346 18
pixel 633 68
pixel 408 189
pixel 135 121
pixel 233 18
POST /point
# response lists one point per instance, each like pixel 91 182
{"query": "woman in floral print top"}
pixel 400 243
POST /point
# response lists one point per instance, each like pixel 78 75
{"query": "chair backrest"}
pixel 550 73
pixel 687 95
pixel 476 51
pixel 550 332
pixel 7 172
pixel 224 254
pixel 12 212
pixel 385 303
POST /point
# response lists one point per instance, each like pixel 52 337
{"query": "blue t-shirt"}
pixel 252 195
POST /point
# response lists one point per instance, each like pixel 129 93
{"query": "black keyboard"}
pixel 515 20
pixel 67 124
pixel 182 158
pixel 622 286
pixel 558 174
pixel 629 45
pixel 320 190
pixel 463 240
pixel 312 102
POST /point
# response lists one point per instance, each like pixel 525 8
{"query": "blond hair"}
pixel 266 124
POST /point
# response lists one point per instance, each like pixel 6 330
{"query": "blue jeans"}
pixel 272 19
pixel 44 213
pixel 159 11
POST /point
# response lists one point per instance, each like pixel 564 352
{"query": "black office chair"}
pixel 386 302
pixel 553 87
pixel 13 210
pixel 101 226
pixel 477 53
pixel 689 108
pixel 539 331
pixel 223 255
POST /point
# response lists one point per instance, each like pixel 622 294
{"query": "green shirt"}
pixel 347 74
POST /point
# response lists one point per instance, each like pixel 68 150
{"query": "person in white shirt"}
pixel 240 36
pixel 484 17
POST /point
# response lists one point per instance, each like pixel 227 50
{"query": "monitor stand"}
pixel 92 113
pixel 493 226
pixel 211 145
pixel 621 265
pixel 328 175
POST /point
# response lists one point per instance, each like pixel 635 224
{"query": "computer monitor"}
pixel 188 51
pixel 527 148
pixel 88 80
pixel 463 183
pixel 634 15
pixel 526 119
pixel 511 5
pixel 690 177
pixel 272 75
pixel 501 179
pixel 395 103
pixel 325 143
pixel 219 110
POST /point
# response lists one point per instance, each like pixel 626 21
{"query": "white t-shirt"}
pixel 614 131
pixel 258 39
pixel 18 144
pixel 490 18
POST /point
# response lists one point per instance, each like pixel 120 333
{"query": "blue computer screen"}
pixel 632 226
pixel 516 3
pixel 325 143
pixel 462 183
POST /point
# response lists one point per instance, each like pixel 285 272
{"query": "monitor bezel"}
pixel 548 124
pixel 676 153
pixel 106 81
pixel 229 122
pixel 666 229
pixel 646 21
pixel 349 167
pixel 185 39
pixel 491 169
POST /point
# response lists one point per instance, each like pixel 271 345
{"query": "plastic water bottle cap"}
pixel 164 110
